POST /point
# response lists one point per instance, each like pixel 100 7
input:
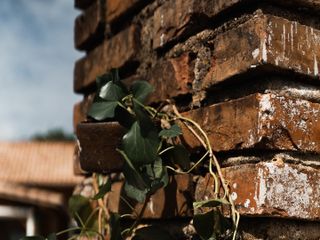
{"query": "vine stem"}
pixel 234 213
pixel 101 203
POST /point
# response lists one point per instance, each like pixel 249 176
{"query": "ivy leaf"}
pixel 211 225
pixel 102 110
pixel 203 223
pixel 141 90
pixel 135 193
pixel 52 236
pixel 140 149
pixel 79 207
pixel 173 131
pixel 124 118
pixel 103 80
pixel 115 226
pixel 112 92
pixel 210 203
pixel 157 175
pixel 33 238
pixel 152 232
pixel 143 118
pixel 135 186
pixel 181 156
pixel 105 188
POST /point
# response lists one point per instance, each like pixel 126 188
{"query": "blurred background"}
pixel 36 67
pixel 36 101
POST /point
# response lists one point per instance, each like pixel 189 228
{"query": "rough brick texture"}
pixel 117 8
pixel 173 201
pixel 263 121
pixel 97 143
pixel 271 188
pixel 247 71
pixel 113 53
pixel 89 29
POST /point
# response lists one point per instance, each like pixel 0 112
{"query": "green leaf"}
pixel 124 118
pixel 157 175
pixel 135 186
pixel 173 131
pixel 115 226
pixel 52 236
pixel 135 193
pixel 79 206
pixel 203 223
pixel 181 156
pixel 105 188
pixel 102 110
pixel 112 92
pixel 33 238
pixel 103 80
pixel 141 90
pixel 212 225
pixel 210 203
pixel 152 232
pixel 113 76
pixel 143 118
pixel 140 149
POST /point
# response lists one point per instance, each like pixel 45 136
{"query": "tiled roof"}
pixel 37 163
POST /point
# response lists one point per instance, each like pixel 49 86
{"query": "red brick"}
pixel 176 81
pixel 80 110
pixel 173 201
pixel 98 143
pixel 264 40
pixel 113 53
pixel 178 18
pixel 117 8
pixel 263 121
pixel 89 29
pixel 272 188
pixel 174 18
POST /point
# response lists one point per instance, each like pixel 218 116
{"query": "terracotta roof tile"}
pixel 37 163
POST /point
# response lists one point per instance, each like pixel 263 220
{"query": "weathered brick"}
pixel 171 78
pixel 76 162
pixel 174 18
pixel 89 29
pixel 173 201
pixel 80 110
pixel 179 18
pixel 264 40
pixel 113 53
pixel 261 121
pixel 82 4
pixel 273 188
pixel 97 143
pixel 117 8
pixel 277 228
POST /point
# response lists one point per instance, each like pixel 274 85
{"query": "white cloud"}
pixel 36 66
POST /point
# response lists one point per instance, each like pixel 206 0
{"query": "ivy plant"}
pixel 150 147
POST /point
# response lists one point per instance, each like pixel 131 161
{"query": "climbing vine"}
pixel 151 149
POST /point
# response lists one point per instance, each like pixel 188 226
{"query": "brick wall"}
pixel 246 70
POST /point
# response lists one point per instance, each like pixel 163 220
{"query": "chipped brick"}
pixel 271 188
pixel 173 201
pixel 263 121
pixel 89 29
pixel 97 143
pixel 113 53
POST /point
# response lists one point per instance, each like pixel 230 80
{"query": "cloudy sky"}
pixel 36 66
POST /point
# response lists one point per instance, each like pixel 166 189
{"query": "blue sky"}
pixel 36 66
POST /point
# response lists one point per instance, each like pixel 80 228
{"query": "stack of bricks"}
pixel 246 70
